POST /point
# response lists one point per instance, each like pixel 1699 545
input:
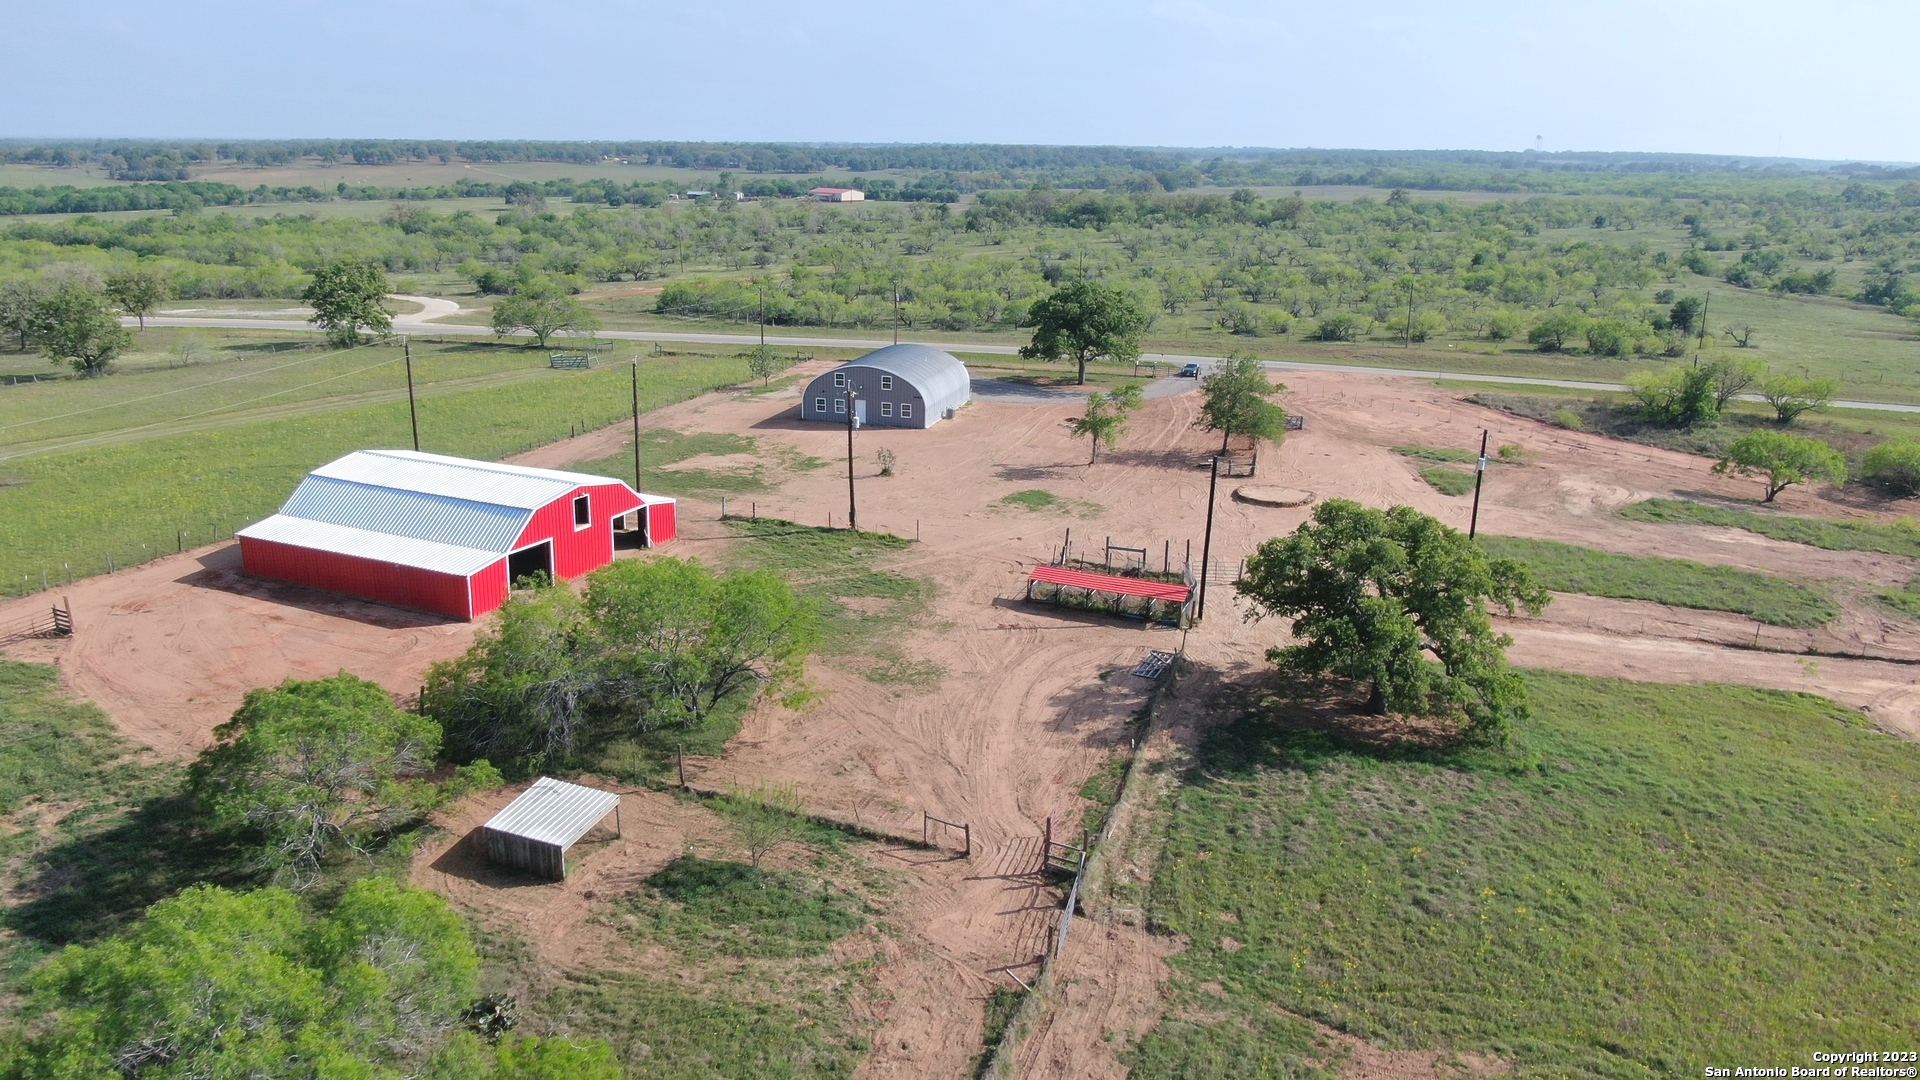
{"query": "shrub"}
pixel 1609 337
pixel 1783 458
pixel 1791 395
pixel 1426 325
pixel 1568 419
pixel 1676 397
pixel 1894 465
pixel 1339 327
pixel 1505 325
pixel 1557 330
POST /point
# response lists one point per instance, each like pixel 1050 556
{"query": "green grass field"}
pixel 81 819
pixel 1031 499
pixel 1901 537
pixel 868 608
pixel 735 909
pixel 1615 414
pixel 1447 481
pixel 1679 582
pixel 661 448
pixel 130 479
pixel 1655 879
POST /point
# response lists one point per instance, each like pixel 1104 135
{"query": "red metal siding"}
pixel 577 551
pixel 405 586
pixel 488 588
pixel 662 523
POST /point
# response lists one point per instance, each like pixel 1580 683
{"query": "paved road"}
pixel 1002 390
pixel 423 323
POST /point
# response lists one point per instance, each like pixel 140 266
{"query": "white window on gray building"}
pixel 819 404
pixel 886 382
pixel 906 409
pixel 840 378
pixel 840 405
pixel 886 408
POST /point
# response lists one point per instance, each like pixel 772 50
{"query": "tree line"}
pixel 1567 274
pixel 313 780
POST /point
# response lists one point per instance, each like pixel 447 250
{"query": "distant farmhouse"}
pixel 838 194
pixel 903 385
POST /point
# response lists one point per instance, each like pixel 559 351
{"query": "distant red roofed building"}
pixel 838 194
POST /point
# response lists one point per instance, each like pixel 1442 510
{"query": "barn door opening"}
pixel 630 530
pixel 531 561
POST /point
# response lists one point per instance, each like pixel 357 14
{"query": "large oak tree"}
pixel 1085 321
pixel 1397 602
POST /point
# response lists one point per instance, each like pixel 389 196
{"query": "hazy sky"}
pixel 1835 79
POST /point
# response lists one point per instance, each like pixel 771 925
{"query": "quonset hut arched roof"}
pixel 941 377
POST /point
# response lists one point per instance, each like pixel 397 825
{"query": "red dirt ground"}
pixel 1031 699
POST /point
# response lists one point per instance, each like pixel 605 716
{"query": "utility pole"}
pixel 1700 338
pixel 636 423
pixel 1473 524
pixel 896 315
pixel 853 518
pixel 412 412
pixel 763 314
pixel 1409 341
pixel 1206 544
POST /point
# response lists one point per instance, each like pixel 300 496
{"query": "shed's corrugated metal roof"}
pixel 554 812
pixel 365 544
pixel 940 377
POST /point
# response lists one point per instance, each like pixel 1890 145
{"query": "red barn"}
pixel 445 534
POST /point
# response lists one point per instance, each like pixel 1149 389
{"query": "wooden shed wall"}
pixel 545 860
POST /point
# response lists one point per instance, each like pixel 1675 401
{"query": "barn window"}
pixel 819 404
pixel 582 512
pixel 886 408
pixel 839 404
pixel 840 378
pixel 906 409
pixel 886 382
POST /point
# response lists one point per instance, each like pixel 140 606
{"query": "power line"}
pixel 184 389
pixel 107 435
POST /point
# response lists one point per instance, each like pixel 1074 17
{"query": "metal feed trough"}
pixel 535 830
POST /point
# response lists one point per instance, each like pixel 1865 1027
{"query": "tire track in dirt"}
pixel 1022 715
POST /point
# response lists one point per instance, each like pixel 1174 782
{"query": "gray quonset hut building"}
pixel 902 385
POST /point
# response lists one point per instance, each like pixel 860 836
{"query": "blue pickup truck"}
pixel 1191 371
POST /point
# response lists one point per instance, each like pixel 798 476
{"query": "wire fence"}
pixel 113 558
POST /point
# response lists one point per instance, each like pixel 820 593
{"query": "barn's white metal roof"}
pixel 378 546
pixel 453 510
pixel 420 515
pixel 554 812
pixel 457 478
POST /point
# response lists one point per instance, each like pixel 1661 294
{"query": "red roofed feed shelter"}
pixel 1135 597
pixel 838 194
pixel 445 534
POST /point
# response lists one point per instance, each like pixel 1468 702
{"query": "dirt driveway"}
pixel 1030 701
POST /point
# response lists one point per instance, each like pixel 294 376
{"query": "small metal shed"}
pixel 535 830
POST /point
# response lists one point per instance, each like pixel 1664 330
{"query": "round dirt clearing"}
pixel 1268 495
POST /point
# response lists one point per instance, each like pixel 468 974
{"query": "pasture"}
pixel 937 690
pixel 1655 879
pixel 161 458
